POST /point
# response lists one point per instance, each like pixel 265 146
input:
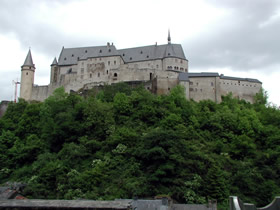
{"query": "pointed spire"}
pixel 54 62
pixel 169 38
pixel 28 61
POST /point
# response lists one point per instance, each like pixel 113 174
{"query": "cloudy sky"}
pixel 232 37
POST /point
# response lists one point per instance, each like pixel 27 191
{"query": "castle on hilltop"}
pixel 158 67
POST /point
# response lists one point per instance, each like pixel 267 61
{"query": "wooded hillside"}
pixel 123 143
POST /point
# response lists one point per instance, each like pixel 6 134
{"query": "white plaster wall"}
pixel 26 83
pixel 40 93
pixel 203 88
pixel 240 89
pixel 175 62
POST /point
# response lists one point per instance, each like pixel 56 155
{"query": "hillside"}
pixel 123 142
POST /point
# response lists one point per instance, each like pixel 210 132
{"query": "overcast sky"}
pixel 232 37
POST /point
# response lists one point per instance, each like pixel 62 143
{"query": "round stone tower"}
pixel 54 71
pixel 27 77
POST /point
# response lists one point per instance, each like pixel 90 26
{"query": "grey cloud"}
pixel 16 17
pixel 241 42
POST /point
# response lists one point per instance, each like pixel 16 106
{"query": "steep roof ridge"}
pixel 152 52
pixel 28 60
pixel 54 62
pixel 70 56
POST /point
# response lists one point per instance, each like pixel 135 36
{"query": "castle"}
pixel 158 67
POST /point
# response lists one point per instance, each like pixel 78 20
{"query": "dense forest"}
pixel 124 143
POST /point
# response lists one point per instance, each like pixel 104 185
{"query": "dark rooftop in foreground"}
pixel 65 204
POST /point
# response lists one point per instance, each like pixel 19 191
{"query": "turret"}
pixel 54 71
pixel 169 37
pixel 27 77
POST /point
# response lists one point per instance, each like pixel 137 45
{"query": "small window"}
pixel 90 75
pixel 147 56
pixel 130 58
pixel 123 54
pixel 26 73
pixel 115 74
pixel 191 89
pixel 109 50
pixel 109 63
pixel 100 51
pixel 107 72
pixel 148 88
pixel 141 52
pixel 85 51
pixel 191 83
pixel 98 74
pixel 212 83
pixel 168 88
pixel 65 59
pixel 72 55
pixel 157 66
pixel 78 58
pixel 115 62
pixel 168 53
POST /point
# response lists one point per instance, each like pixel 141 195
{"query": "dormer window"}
pixel 130 58
pixel 141 52
pixel 147 56
pixel 65 59
pixel 100 51
pixel 109 50
pixel 168 53
pixel 72 55
pixel 123 54
pixel 85 51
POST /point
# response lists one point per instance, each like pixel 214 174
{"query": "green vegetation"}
pixel 123 142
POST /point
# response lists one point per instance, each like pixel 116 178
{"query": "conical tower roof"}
pixel 28 61
pixel 54 62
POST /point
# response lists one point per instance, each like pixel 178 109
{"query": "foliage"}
pixel 124 142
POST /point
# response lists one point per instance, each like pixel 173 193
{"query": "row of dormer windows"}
pixel 176 68
pixel 238 84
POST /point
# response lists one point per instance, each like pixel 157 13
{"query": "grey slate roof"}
pixel 54 62
pixel 152 52
pixel 70 56
pixel 28 60
pixel 214 74
pixel 183 76
pixel 240 79
pixel 204 74
pixel 65 204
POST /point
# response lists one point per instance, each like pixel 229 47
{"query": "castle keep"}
pixel 158 67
